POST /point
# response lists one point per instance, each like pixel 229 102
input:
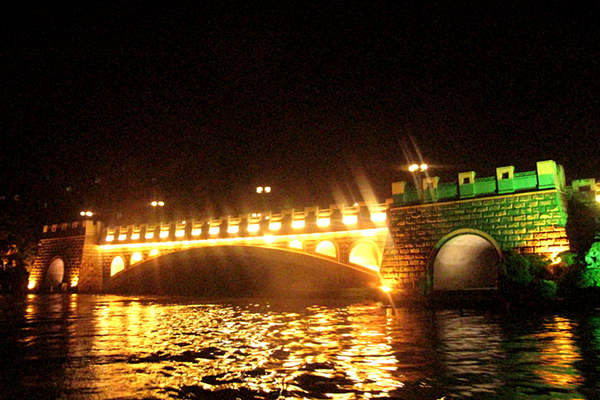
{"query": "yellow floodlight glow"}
pixel 154 203
pixel 122 236
pixel 161 203
pixel 296 244
pixel 89 213
pixel 385 289
pixel 413 167
pixel 146 246
pixel 350 219
pixel 163 234
pixel 149 235
pixel 196 231
pixel 423 167
pixel 82 213
pixel 135 236
pixel 180 233
pixel 259 189
pixel 110 238
pixel 74 281
pixel 267 189
pixel 269 239
pixel 598 198
pixel 153 253
pixel 136 258
pixel 31 284
pixel 275 225
pixel 378 217
pixel 323 222
pixel 298 224
pixel 253 228
pixel 233 229
pixel 214 230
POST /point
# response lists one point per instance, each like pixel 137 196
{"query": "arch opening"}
pixel 365 254
pixel 136 258
pixel 326 248
pixel 56 272
pixel 117 265
pixel 466 261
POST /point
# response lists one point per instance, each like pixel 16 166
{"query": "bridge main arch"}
pixel 241 271
pixel 464 259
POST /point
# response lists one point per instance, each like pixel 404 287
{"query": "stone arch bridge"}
pixel 451 234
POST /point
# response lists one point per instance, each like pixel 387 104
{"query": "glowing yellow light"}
pixel 154 203
pixel 161 203
pixel 136 258
pixel 31 283
pixel 153 252
pixel 298 224
pixel 196 231
pixel 296 244
pixel 135 236
pixel 350 219
pixel 233 229
pixel 275 225
pixel 122 236
pixel 267 189
pixel 213 230
pixel 250 239
pixel 269 239
pixel 149 235
pixel 555 260
pixel 326 248
pixel 180 233
pixel 413 167
pixel 74 281
pixel 89 213
pixel 323 222
pixel 82 213
pixel 253 228
pixel 385 289
pixel 598 198
pixel 378 217
pixel 423 167
pixel 163 234
pixel 259 189
pixel 110 238
pixel 117 265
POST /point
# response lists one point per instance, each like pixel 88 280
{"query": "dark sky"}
pixel 119 102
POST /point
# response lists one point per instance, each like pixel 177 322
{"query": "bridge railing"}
pixel 284 222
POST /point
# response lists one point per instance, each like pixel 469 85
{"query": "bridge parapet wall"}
pixel 285 222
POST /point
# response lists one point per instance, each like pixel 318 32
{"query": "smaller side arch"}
pixel 55 273
pixel 365 253
pixel 464 259
pixel 327 248
pixel 117 265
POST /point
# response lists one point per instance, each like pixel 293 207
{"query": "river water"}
pixel 116 347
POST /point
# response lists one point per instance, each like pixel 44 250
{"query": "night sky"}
pixel 110 105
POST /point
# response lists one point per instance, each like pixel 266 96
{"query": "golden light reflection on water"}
pixel 135 347
pixel 559 354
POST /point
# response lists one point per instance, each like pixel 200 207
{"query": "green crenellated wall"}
pixel 523 211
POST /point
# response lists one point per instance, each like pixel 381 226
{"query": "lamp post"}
pixel 417 170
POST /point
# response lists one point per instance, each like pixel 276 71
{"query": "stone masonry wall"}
pixel 532 222
pixel 69 249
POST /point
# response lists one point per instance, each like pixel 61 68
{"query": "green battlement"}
pixel 548 175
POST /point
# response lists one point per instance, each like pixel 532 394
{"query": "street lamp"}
pixel 416 170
